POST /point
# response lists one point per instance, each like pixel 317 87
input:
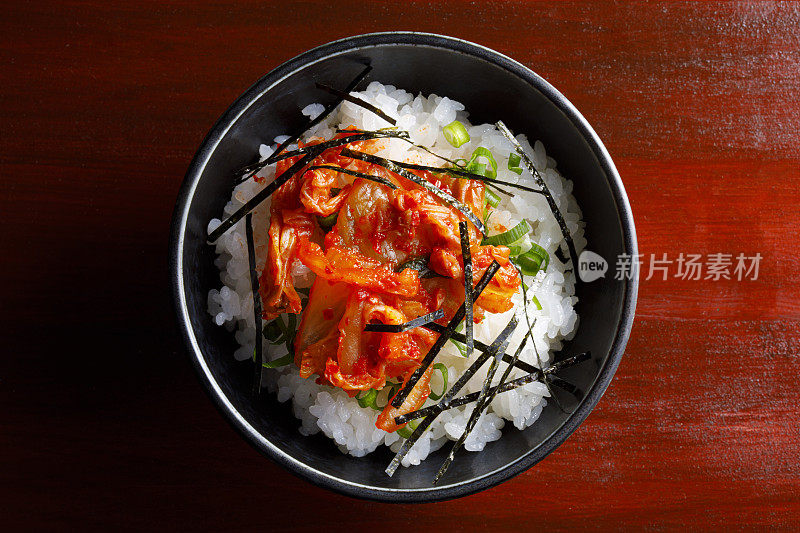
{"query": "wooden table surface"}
pixel 102 105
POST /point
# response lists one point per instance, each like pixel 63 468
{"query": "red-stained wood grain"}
pixel 102 106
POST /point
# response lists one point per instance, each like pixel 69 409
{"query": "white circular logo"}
pixel 591 266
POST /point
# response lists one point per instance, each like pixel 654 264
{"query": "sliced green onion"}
pixel 369 399
pixel 537 303
pixel 460 346
pixel 287 359
pixel 291 331
pixel 479 167
pixel 327 222
pixel 276 332
pixel 529 264
pixel 408 429
pixel 521 246
pixel 443 369
pixel 456 134
pixel 541 252
pixel 393 388
pixel 513 163
pixel 534 260
pixel 420 264
pixel 273 332
pixel 492 199
pixel 511 236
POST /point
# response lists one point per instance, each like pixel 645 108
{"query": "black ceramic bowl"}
pixel 493 87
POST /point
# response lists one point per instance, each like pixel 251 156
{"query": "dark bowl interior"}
pixel 492 87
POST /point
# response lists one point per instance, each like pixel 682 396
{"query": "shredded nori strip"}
pixel 550 201
pixel 334 143
pixel 530 377
pixel 398 400
pixel 498 189
pixel 420 264
pixel 530 328
pixel 411 324
pixel 397 169
pixel 481 403
pixel 406 138
pixel 460 337
pixel 379 130
pixel 559 253
pixel 456 170
pixel 497 348
pixel 566 385
pixel 463 231
pixel 262 195
pixel 376 179
pixel 357 101
pixel 255 167
pixel 487 400
pixel 569 361
pixel 450 394
pixel 460 173
pixel 251 257
pixel 484 400
pixel 309 154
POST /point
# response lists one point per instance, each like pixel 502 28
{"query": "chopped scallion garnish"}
pixel 462 349
pixel 460 346
pixel 521 246
pixel 533 260
pixel 487 169
pixel 276 332
pixel 492 199
pixel 443 370
pixel 409 428
pixel 456 134
pixel 273 332
pixel 511 236
pixel 513 163
pixel 368 399
pixel 281 361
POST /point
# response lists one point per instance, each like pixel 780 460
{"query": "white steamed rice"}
pixel 329 410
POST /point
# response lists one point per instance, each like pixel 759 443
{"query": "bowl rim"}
pixel 213 389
